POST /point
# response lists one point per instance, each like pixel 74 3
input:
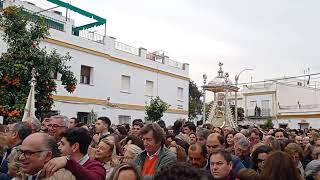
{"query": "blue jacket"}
pixel 4 176
pixel 4 165
pixel 237 164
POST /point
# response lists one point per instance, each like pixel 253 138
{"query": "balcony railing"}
pixel 92 36
pixel 175 64
pixel 299 106
pixel 264 112
pixel 157 56
pixel 126 48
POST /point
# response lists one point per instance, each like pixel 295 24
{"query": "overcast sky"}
pixel 275 37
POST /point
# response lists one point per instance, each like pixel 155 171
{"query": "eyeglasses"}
pixel 28 153
pixel 54 126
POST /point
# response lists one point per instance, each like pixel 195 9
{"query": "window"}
pixel 149 88
pixel 180 93
pixel 124 119
pixel 180 106
pixel 85 77
pixel 83 116
pixel 303 126
pixel 265 111
pixel 253 104
pixel 125 83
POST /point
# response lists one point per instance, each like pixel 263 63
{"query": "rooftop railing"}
pixel 126 48
pixel 175 64
pixel 299 106
pixel 264 112
pixel 93 36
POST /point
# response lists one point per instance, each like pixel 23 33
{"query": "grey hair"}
pixel 312 168
pixel 35 123
pixel 203 132
pixel 64 118
pixel 243 142
pixel 245 132
pixel 51 145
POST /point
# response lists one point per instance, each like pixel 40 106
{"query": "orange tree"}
pixel 22 32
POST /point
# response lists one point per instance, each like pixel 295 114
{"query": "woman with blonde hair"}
pixel 106 154
pixel 130 153
pixel 125 171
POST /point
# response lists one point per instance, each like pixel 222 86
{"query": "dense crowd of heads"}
pixel 65 148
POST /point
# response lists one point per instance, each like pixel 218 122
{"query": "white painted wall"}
pixel 71 109
pixel 294 123
pixel 107 77
pixel 291 94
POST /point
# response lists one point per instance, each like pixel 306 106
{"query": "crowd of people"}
pixel 59 148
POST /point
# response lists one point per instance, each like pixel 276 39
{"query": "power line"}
pixel 278 79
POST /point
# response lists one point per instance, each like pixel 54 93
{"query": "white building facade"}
pixel 287 104
pixel 114 79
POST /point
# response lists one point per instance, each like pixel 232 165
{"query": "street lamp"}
pixel 235 95
pixel 204 97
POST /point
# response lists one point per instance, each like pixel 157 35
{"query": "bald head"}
pixel 36 150
pixel 35 140
pixel 214 141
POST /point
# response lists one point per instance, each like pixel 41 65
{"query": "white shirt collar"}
pixel 155 154
pixel 84 159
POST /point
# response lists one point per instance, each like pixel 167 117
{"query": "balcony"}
pixel 299 106
pixel 258 113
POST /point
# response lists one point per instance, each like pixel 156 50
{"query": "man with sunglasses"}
pixel 15 134
pixel 36 150
pixel 58 125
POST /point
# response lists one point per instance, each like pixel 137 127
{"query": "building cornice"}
pixel 258 93
pixel 104 102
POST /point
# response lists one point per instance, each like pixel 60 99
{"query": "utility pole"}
pixel 235 95
pixel 204 97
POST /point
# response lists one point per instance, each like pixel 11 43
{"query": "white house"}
pixel 288 103
pixel 114 79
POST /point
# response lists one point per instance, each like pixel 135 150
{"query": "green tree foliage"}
pixel 195 103
pixel 155 109
pixel 240 112
pixel 22 33
pixel 268 124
